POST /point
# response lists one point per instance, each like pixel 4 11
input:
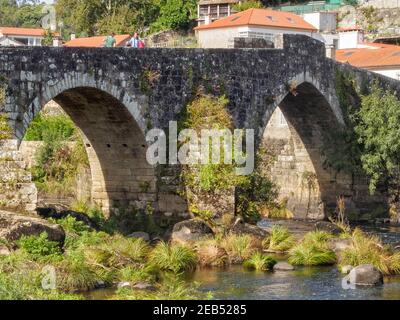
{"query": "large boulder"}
pixel 190 231
pixel 240 227
pixel 328 227
pixel 365 275
pixel 14 226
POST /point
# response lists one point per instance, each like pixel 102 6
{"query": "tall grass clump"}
pixel 280 239
pixel 175 258
pixel 313 250
pixel 74 274
pixel 239 247
pixel 210 253
pixel 259 262
pixel 368 249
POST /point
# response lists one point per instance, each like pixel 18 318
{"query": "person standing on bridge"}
pixel 110 41
pixel 135 42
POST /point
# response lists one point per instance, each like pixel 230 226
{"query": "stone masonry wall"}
pixel 116 95
pixel 17 191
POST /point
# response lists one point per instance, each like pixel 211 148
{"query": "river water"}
pixel 306 283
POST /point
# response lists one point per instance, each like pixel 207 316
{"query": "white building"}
pixel 255 23
pixel 10 36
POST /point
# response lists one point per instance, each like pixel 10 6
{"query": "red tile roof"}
pixel 33 32
pixel 261 17
pixel 375 56
pixel 96 41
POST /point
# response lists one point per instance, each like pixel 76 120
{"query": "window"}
pixel 223 10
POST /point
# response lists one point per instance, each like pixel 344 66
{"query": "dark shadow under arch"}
pixel 116 147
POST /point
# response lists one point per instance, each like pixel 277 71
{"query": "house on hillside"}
pixel 377 57
pixel 252 23
pixel 98 41
pixel 10 36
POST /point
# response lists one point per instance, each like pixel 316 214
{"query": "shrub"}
pixel 239 247
pixel 39 247
pixel 280 239
pixel 54 128
pixel 259 262
pixel 313 250
pixel 254 193
pixel 367 249
pixel 173 258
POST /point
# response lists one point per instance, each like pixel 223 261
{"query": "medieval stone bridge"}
pixel 116 95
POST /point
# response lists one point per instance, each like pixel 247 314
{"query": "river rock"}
pixel 328 227
pixel 346 269
pixel 140 235
pixel 4 251
pixel 190 231
pixel 124 285
pixel 283 266
pixel 145 286
pixel 14 226
pixel 338 245
pixel 240 227
pixel 365 275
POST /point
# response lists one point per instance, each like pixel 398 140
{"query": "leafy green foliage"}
pixel 210 177
pixel 313 250
pixel 20 13
pixel 248 4
pixel 259 262
pixel 379 131
pixel 39 247
pixel 47 128
pixel 93 17
pixel 255 193
pixel 173 258
pixel 175 14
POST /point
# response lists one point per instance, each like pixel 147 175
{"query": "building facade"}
pixel 10 36
pixel 210 10
pixel 252 23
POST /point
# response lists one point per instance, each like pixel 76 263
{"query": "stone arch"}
pixel 113 130
pixel 308 186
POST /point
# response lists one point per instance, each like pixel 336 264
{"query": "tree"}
pixel 92 17
pixel 248 4
pixel 175 14
pixel 20 13
pixel 379 131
